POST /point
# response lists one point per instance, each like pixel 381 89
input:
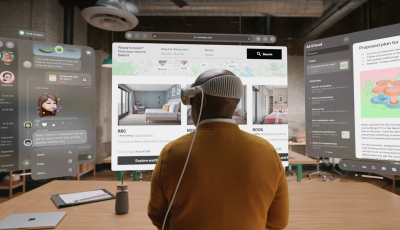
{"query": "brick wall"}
pixel 43 15
pixel 103 107
pixel 54 20
pixel 296 96
pixel 80 29
pixel 14 15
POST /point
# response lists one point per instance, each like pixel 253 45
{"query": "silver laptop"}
pixel 33 220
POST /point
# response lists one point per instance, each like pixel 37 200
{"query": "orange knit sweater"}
pixel 234 181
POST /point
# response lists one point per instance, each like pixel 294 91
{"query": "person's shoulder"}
pixel 257 140
pixel 181 141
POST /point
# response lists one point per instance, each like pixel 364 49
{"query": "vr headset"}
pixel 228 86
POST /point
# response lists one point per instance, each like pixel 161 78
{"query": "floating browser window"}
pixel 147 81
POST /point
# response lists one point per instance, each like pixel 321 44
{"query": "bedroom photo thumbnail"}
pixel 239 115
pixel 270 105
pixel 149 104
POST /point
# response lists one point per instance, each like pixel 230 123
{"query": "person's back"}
pixel 237 182
pixel 233 180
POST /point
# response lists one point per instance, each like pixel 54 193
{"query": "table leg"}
pixel 291 171
pixel 10 184
pixel 78 177
pixel 134 177
pixel 23 179
pixel 290 167
pixel 394 183
pixel 119 176
pixel 299 172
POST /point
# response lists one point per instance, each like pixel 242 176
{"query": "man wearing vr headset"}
pixel 234 180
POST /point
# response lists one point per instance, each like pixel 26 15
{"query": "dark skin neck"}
pixel 213 107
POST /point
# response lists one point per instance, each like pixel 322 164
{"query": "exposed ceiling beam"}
pixel 311 28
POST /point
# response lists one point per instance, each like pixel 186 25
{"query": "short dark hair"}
pixel 28 141
pixel 4 74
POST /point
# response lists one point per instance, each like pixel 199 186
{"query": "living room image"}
pixel 240 114
pixel 149 104
pixel 270 105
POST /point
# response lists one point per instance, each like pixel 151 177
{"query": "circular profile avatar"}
pixel 6 77
pixel 27 124
pixel 7 57
pixel 28 142
pixel 47 105
pixel 27 64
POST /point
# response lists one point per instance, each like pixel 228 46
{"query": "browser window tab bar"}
pixel 247 38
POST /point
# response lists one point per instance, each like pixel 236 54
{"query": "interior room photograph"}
pixel 270 104
pixel 240 114
pixel 149 104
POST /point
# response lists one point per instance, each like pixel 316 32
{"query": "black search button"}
pixel 264 54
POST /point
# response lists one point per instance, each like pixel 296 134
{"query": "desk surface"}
pixel 339 205
pixel 297 158
pixel 107 160
pixel 297 143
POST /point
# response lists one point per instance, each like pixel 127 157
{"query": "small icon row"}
pixel 265 39
pixel 137 35
pixel 9 45
pixel 368 166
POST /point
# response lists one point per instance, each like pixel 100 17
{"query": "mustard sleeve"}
pixel 278 213
pixel 158 203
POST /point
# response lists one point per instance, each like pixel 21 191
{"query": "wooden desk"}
pixel 299 160
pixel 297 143
pixel 340 205
pixel 107 160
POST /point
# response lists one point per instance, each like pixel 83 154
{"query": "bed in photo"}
pixel 270 104
pixel 149 104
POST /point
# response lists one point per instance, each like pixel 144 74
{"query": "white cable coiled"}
pixel 187 158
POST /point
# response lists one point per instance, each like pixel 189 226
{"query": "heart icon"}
pixel 44 124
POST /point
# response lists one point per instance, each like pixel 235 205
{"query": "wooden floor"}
pixel 108 175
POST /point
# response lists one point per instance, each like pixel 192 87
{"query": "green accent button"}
pixel 59 49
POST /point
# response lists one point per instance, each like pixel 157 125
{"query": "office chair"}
pixel 319 173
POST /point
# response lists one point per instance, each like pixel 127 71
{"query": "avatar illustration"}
pixel 47 105
pixel 7 77
pixel 27 64
pixel 7 57
pixel 27 124
pixel 28 142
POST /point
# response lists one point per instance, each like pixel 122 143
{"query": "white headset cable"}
pixel 187 158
